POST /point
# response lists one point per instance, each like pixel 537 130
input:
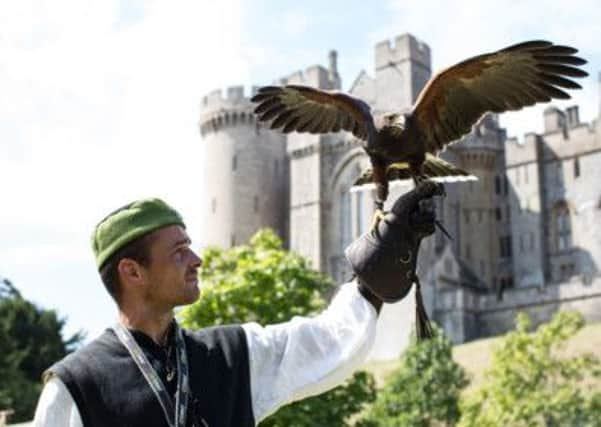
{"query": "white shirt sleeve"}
pixel 307 356
pixel 56 407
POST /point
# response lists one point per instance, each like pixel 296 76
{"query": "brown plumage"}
pixel 449 105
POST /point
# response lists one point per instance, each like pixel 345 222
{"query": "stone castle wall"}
pixel 245 172
pixel 503 257
pixel 467 315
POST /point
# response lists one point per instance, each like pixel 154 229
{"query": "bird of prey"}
pixel 407 144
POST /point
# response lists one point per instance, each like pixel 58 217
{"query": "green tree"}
pixel 424 391
pixel 31 341
pixel 532 383
pixel 263 283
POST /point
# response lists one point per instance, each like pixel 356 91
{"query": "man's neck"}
pixel 153 324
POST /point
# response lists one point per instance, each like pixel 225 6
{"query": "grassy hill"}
pixel 475 356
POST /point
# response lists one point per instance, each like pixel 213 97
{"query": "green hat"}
pixel 130 222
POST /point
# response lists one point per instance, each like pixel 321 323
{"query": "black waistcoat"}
pixel 110 390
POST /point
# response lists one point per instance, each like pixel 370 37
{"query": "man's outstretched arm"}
pixel 307 356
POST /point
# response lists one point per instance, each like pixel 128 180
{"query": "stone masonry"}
pixel 527 233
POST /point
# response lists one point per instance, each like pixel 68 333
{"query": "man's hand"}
pixel 385 259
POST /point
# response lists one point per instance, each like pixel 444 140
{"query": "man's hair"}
pixel 137 250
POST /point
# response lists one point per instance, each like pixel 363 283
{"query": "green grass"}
pixel 476 356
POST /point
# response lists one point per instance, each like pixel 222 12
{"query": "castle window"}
pixel 234 162
pixel 566 271
pixel 505 247
pixel 498 214
pixel 497 184
pixel 506 182
pixel 521 243
pixel 563 232
pixel 526 174
pixel 466 213
pixel 576 167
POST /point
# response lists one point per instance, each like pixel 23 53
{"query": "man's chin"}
pixel 193 294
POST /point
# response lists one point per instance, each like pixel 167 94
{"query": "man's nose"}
pixel 196 260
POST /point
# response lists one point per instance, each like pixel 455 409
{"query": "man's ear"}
pixel 130 271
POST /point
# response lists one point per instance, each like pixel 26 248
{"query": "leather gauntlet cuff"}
pixel 384 262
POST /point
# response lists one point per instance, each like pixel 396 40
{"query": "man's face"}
pixel 172 272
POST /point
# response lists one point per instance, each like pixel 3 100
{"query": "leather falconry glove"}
pixel 385 258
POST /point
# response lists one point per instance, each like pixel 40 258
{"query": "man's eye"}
pixel 180 253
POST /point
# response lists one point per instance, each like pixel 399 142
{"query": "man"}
pixel 147 371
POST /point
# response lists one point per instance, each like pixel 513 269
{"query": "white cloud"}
pixel 100 106
pixel 101 112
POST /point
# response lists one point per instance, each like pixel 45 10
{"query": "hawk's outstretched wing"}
pixel 305 109
pixel 509 79
pixel 433 167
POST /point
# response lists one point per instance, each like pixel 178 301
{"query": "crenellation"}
pixel 504 253
pixel 235 94
pixel 555 119
pixel 406 47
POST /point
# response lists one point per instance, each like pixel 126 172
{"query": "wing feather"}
pixel 509 79
pixel 305 109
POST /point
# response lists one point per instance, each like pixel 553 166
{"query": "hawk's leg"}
pixel 381 182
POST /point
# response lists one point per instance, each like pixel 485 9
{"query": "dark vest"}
pixel 110 390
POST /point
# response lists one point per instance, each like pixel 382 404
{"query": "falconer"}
pixel 148 371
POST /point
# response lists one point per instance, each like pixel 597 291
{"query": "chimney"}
pixel 572 116
pixel 333 69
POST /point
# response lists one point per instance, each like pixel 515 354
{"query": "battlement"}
pixel 405 48
pixel 316 76
pixel 229 108
pixel 233 96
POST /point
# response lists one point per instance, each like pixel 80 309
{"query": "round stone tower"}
pixel 483 208
pixel 246 173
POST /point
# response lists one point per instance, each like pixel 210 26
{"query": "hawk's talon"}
pixel 379 215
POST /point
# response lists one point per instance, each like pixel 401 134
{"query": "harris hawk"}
pixel 401 145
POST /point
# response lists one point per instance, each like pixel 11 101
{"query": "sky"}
pixel 100 101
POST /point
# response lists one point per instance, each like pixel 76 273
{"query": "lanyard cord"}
pixel 176 417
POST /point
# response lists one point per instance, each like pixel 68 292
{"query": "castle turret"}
pixel 483 211
pixel 245 172
pixel 404 66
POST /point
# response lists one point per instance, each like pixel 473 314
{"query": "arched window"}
pixel 563 229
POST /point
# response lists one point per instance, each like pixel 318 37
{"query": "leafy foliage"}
pixel 31 341
pixel 424 391
pixel 263 283
pixel 530 382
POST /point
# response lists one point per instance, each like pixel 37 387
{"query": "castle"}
pixel 527 233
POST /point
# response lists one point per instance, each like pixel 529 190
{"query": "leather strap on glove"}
pixel 385 258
